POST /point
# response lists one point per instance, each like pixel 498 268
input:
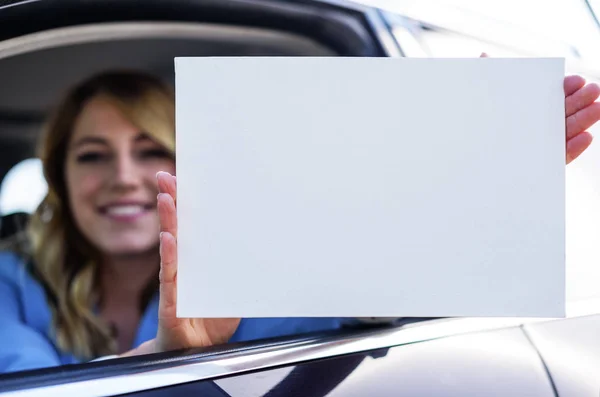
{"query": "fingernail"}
pixel 161 235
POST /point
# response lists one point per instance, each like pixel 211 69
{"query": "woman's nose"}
pixel 126 173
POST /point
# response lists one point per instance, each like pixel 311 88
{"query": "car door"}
pixel 443 357
pixel 492 363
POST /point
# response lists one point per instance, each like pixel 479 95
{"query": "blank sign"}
pixel 358 187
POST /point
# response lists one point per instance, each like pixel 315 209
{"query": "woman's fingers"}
pixel 572 84
pixel 581 99
pixel 167 306
pixel 582 120
pixel 167 183
pixel 577 144
pixel 167 214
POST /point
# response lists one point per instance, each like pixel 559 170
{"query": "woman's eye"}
pixel 154 153
pixel 91 157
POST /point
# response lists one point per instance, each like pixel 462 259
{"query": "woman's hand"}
pixel 177 333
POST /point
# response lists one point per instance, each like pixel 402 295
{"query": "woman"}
pixel 88 285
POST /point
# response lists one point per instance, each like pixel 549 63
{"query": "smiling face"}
pixel 110 175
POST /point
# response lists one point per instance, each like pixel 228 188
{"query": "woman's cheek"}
pixel 86 184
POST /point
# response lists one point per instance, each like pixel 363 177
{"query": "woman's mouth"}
pixel 125 212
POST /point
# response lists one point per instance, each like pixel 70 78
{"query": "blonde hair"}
pixel 62 258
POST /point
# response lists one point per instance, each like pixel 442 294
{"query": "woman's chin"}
pixel 130 247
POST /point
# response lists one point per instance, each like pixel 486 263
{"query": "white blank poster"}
pixel 358 187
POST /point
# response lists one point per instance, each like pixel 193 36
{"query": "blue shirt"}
pixel 25 322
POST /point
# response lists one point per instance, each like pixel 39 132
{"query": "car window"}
pixel 445 44
pixel 566 22
pixel 23 187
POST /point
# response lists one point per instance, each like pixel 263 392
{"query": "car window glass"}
pixel 445 44
pixel 23 187
pixel 568 22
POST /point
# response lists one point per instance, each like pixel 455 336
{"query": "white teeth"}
pixel 124 210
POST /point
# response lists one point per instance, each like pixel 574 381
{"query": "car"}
pixel 47 45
